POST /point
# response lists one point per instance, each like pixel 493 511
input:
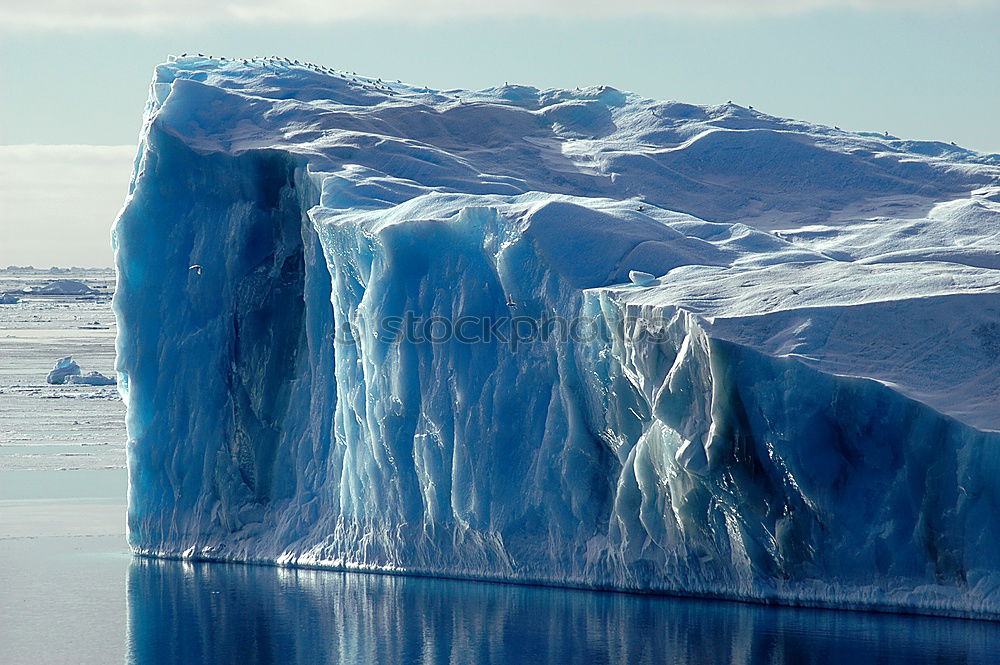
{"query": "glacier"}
pixel 772 374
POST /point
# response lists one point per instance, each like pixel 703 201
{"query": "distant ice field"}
pixel 57 427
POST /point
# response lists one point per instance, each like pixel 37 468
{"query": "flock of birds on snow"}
pixel 277 61
pixel 351 79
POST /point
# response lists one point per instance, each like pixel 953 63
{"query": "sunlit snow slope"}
pixel 799 403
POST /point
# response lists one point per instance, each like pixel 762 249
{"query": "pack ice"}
pixel 784 386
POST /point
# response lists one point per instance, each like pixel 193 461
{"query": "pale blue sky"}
pixel 69 76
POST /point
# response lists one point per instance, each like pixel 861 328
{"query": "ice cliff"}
pixel 677 348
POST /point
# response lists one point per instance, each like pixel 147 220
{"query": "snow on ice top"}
pixel 791 393
pixel 790 216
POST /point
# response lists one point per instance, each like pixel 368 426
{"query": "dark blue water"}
pixel 218 613
pixel 85 600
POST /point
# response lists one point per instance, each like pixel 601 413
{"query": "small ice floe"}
pixel 91 379
pixel 65 368
pixel 67 371
pixel 64 287
pixel 640 278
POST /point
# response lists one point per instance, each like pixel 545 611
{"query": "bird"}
pixel 510 301
pixel 795 291
pixel 196 268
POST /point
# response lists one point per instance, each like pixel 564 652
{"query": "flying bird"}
pixel 196 268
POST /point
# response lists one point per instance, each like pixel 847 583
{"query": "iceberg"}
pixel 65 369
pixel 568 337
pixel 68 371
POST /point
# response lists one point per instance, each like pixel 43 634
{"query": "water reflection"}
pixel 220 613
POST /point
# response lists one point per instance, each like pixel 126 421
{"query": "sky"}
pixel 74 75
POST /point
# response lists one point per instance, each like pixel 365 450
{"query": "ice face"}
pixel 569 337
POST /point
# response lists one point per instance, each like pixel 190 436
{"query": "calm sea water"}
pixel 83 599
pixel 70 593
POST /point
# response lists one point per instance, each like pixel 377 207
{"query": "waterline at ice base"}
pixel 634 345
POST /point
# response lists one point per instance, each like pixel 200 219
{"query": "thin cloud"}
pixel 153 14
pixel 57 202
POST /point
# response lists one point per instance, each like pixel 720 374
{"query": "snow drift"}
pixel 711 351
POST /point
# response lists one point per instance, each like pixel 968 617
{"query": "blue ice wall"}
pixel 782 408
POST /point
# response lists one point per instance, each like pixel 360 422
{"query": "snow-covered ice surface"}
pixel 787 388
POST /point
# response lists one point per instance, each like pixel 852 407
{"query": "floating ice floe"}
pixel 64 369
pixel 63 287
pixel 91 379
pixel 67 371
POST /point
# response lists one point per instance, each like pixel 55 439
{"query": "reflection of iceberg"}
pixel 790 393
pixel 181 612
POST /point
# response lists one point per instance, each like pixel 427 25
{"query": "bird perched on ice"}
pixel 196 268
